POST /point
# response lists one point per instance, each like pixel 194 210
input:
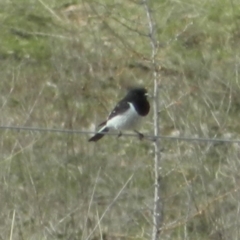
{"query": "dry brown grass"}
pixel 56 73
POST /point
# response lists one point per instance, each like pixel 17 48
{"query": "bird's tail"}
pixel 99 135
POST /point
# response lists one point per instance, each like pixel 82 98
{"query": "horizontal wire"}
pixel 69 131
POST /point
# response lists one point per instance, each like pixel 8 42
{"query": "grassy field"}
pixel 63 65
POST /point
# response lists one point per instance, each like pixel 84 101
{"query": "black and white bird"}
pixel 126 114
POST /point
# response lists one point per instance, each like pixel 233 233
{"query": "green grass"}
pixel 63 69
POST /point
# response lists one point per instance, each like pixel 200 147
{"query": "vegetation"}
pixel 64 64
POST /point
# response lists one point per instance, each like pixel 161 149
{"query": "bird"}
pixel 126 114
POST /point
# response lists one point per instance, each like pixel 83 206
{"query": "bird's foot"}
pixel 119 134
pixel 140 135
pixel 153 139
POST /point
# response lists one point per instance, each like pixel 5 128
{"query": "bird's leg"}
pixel 140 135
pixel 119 134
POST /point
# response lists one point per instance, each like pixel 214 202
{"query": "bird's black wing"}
pixel 119 109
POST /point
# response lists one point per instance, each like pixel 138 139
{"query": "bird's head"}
pixel 138 92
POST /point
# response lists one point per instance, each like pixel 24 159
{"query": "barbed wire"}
pixel 150 137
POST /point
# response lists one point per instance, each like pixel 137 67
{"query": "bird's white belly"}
pixel 125 121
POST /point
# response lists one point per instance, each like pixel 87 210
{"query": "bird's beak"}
pixel 148 95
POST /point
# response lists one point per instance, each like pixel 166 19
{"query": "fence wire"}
pixel 150 137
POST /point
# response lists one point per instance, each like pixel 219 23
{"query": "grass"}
pixel 66 69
